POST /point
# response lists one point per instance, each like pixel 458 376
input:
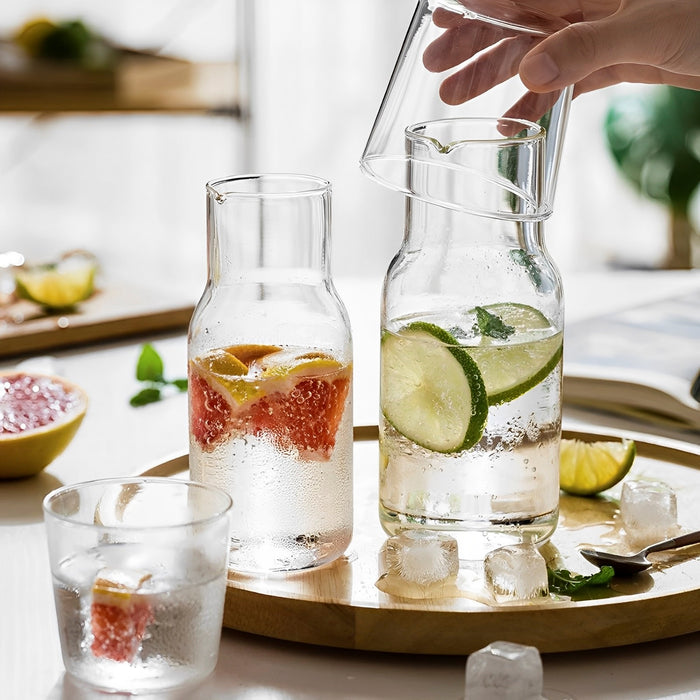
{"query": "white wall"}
pixel 322 67
pixel 131 187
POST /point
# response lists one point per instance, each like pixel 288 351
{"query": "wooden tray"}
pixel 340 606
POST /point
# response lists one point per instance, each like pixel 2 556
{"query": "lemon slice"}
pixel 59 285
pixel 249 353
pixel 587 468
pixel 513 366
pixel 32 34
pixel 431 390
pixel 227 374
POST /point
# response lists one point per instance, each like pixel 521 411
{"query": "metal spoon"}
pixel 630 564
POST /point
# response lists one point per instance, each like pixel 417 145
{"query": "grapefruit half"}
pixel 39 416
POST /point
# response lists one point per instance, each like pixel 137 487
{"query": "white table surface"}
pixel 117 439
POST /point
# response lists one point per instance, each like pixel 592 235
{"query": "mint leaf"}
pixel 149 371
pixel 145 396
pixel 491 325
pixel 564 582
pixel 149 367
pixel 181 384
pixel 522 257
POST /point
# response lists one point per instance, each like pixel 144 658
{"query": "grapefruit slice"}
pixel 296 398
pixel 39 416
pixel 119 614
pixel 210 412
pixel 305 418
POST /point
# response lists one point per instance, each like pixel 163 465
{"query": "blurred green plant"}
pixel 654 138
pixel 69 41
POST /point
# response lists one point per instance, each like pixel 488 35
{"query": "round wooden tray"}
pixel 339 605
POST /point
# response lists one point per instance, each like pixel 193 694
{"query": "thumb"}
pixel 569 55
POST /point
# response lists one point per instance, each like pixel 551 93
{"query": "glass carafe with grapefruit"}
pixel 270 374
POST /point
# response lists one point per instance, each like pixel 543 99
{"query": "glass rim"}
pixel 122 481
pixel 536 131
pixel 308 185
pixel 528 20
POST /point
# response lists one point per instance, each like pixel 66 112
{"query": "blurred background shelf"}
pixel 138 82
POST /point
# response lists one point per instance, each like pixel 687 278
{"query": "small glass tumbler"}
pixel 139 576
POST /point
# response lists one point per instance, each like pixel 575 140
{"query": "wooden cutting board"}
pixel 109 314
pixel 339 605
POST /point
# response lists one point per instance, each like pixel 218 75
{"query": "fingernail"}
pixel 539 69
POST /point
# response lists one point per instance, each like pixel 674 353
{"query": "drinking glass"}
pixel 460 60
pixel 270 374
pixel 139 576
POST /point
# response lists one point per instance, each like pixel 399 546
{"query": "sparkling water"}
pixel 183 596
pixel 292 507
pixel 502 490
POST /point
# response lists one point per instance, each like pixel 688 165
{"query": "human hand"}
pixel 489 54
pixel 591 44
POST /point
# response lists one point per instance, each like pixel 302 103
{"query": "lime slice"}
pixel 513 366
pixel 58 285
pixel 587 468
pixel 431 390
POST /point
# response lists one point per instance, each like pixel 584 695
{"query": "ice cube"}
pixel 516 572
pixel 649 511
pixel 420 556
pixel 504 671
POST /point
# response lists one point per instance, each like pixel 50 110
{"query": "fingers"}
pixel 445 19
pixel 533 105
pixel 491 68
pixel 637 34
pixel 634 73
pixel 459 44
pixel 521 13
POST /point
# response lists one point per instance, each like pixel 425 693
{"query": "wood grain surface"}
pixel 111 313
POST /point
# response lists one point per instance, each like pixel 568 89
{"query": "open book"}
pixel 641 362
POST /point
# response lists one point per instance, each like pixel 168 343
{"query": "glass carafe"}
pixel 270 374
pixel 471 345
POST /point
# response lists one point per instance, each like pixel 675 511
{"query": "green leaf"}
pixel 564 582
pixel 491 325
pixel 146 396
pixel 150 371
pixel 522 257
pixel 150 365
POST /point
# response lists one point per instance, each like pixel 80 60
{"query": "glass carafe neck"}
pixel 268 227
pixel 430 225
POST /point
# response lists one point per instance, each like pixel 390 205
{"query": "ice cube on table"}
pixel 420 556
pixel 516 572
pixel 649 511
pixel 504 671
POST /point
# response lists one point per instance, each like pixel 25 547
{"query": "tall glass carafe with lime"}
pixel 471 344
pixel 270 374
